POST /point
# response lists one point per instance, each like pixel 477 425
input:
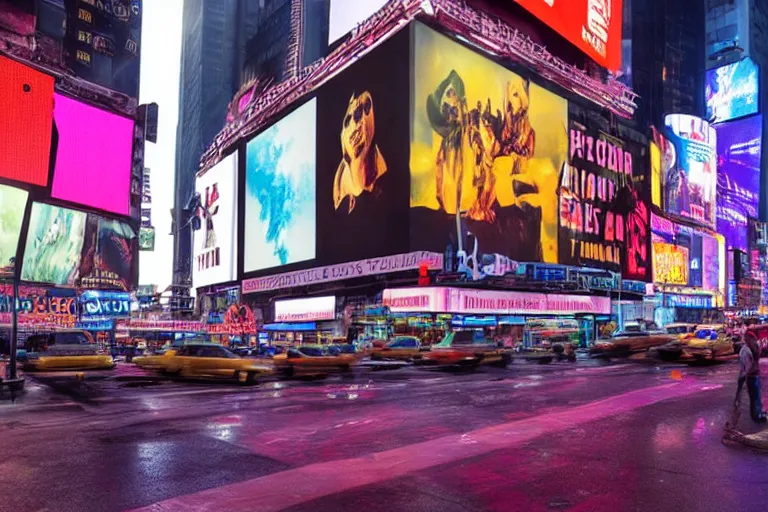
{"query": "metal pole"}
pixel 620 316
pixel 14 327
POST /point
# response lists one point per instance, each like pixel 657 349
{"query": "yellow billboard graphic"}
pixel 670 264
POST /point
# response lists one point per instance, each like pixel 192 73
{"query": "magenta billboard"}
pixel 93 156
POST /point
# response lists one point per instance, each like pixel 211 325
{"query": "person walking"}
pixel 749 365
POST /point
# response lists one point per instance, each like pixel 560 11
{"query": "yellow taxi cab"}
pixel 401 348
pixel 64 351
pixel 467 347
pixel 206 361
pixel 709 342
pixel 154 361
pixel 315 358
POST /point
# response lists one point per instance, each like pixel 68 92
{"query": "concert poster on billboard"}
pixel 102 42
pixel 108 255
pixel 362 162
pixel 604 213
pixel 488 146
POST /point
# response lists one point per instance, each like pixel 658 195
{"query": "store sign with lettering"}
pixel 592 230
pixel 674 300
pixel 305 310
pixel 105 304
pixel 351 270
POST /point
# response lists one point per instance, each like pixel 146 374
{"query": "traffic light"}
pixel 424 274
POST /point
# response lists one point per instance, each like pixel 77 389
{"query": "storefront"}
pixel 305 321
pixel 513 316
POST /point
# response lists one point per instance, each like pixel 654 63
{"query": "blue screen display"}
pixel 732 91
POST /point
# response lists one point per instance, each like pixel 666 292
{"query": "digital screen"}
pixel 280 192
pixel 108 260
pixel 27 97
pixel 732 91
pixel 13 201
pixel 54 245
pixel 690 161
pixel 489 143
pixel 670 264
pixel 215 253
pixel 362 157
pixel 738 177
pixel 346 14
pixel 93 159
pixel 593 26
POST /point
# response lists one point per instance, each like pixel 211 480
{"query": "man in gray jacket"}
pixel 749 364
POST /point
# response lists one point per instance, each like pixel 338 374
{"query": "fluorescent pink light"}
pixel 93 160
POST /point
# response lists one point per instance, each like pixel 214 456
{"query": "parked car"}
pixel 64 350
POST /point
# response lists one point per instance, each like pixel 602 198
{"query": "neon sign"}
pixel 670 263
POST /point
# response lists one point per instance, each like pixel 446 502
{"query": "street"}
pixel 583 436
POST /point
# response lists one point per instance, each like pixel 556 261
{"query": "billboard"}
pixel 670 263
pixel 690 181
pixel 93 157
pixel 362 157
pixel 732 91
pixel 13 202
pixel 485 142
pixel 215 248
pixel 27 97
pixel 738 178
pixel 54 245
pixel 345 15
pixel 102 42
pixel 280 191
pixel 593 26
pixel 603 197
pixel 108 259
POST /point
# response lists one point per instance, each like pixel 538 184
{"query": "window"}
pixel 71 338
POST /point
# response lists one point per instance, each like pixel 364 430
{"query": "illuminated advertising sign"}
pixel 27 97
pixel 96 304
pixel 674 300
pixel 345 15
pixel 738 177
pixel 305 310
pixel 54 245
pixel 604 213
pixel 732 91
pixel 215 251
pixel 690 181
pixel 39 307
pixel 468 301
pixel 93 158
pixel 670 264
pixel 108 255
pixel 13 201
pixel 280 192
pixel 488 143
pixel 593 26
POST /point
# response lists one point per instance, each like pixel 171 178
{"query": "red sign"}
pixel 594 26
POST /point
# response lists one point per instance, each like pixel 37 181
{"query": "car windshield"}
pixel 311 351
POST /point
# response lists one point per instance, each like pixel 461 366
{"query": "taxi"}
pixel 706 342
pixel 401 348
pixel 205 361
pixel 64 350
pixel 315 358
pixel 467 348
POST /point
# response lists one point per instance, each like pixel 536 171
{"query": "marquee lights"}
pixel 479 29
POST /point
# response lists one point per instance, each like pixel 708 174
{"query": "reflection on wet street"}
pixel 622 436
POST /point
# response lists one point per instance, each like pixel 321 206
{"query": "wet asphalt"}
pixel 584 436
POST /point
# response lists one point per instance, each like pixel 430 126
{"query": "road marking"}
pixel 295 486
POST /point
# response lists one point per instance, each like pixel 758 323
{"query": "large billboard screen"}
pixel 280 192
pixel 593 26
pixel 732 91
pixel 93 158
pixel 690 182
pixel 362 157
pixel 489 143
pixel 108 258
pixel 27 96
pixel 215 248
pixel 54 245
pixel 13 202
pixel 604 194
pixel 738 178
pixel 346 14
pixel 684 256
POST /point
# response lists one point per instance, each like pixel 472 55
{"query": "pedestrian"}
pixel 749 365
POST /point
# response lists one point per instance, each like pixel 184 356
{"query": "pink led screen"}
pixel 93 158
